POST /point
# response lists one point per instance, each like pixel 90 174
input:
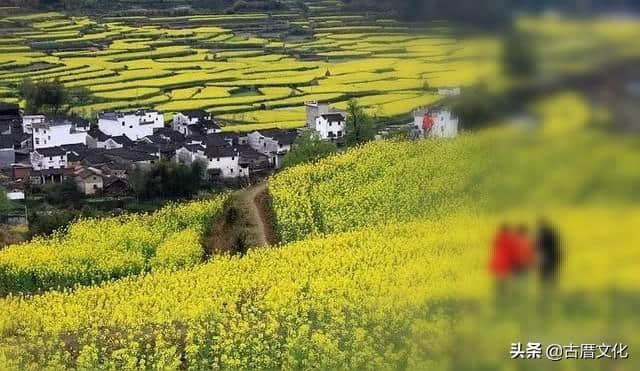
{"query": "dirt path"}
pixel 246 223
pixel 255 215
pixel 257 206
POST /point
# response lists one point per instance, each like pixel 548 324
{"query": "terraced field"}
pixel 253 71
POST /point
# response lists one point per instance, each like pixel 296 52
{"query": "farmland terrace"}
pixel 255 70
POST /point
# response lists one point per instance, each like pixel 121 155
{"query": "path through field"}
pixel 255 215
pixel 245 224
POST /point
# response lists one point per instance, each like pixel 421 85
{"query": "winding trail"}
pixel 256 215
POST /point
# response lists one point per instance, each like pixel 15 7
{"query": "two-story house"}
pixel 273 143
pixel 49 158
pixel 225 161
pixel 59 130
pixel 331 126
pixel 197 122
pixel 135 125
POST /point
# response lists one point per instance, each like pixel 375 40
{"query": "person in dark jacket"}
pixel 549 254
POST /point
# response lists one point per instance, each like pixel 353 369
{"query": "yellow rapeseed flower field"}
pixel 94 250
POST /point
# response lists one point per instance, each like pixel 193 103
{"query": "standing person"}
pixel 427 124
pixel 547 244
pixel 524 254
pixel 501 263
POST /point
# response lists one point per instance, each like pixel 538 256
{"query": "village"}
pixel 47 149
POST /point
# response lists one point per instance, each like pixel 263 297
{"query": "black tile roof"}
pixel 98 135
pixel 123 140
pixel 210 124
pixel 79 147
pixel 128 154
pixel 200 114
pixel 55 120
pixel 215 140
pixel 6 141
pixel 333 117
pixel 52 151
pixel 247 152
pixel 9 109
pixel 219 152
pixel 169 133
pixel 194 148
pixel 285 137
pixel 94 156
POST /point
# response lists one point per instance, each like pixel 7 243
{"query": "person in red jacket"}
pixel 502 256
pixel 524 254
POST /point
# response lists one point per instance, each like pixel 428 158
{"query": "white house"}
pixel 134 125
pixel 89 180
pixel 327 122
pixel 331 126
pixel 189 153
pixel 59 131
pixel 49 158
pixel 195 122
pixel 226 161
pixel 435 123
pixel 273 143
pixel 29 120
pixel 315 110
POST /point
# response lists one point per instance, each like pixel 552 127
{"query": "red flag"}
pixel 427 122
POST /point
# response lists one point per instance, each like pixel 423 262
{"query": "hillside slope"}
pixel 565 161
pixel 405 287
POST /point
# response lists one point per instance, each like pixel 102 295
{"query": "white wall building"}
pixel 29 120
pixel 330 126
pixel 59 131
pixel 182 121
pixel 436 123
pixel 273 143
pixel 226 160
pixel 315 110
pixel 48 158
pixel 135 125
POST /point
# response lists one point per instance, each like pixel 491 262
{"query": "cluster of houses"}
pixel 43 149
pixel 40 149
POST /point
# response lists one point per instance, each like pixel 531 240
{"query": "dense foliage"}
pixel 359 127
pixel 51 96
pixel 167 180
pixel 94 250
pixel 308 148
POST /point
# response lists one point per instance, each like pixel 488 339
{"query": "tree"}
pixel 308 147
pixel 43 96
pixel 167 180
pixel 360 127
pixel 66 193
pixel 5 203
pixel 79 96
pixel 519 55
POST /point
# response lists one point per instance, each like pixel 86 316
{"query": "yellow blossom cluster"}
pixel 96 250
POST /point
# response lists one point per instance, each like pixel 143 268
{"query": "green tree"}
pixel 5 203
pixel 80 96
pixel 167 180
pixel 66 193
pixel 308 147
pixel 48 96
pixel 360 127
